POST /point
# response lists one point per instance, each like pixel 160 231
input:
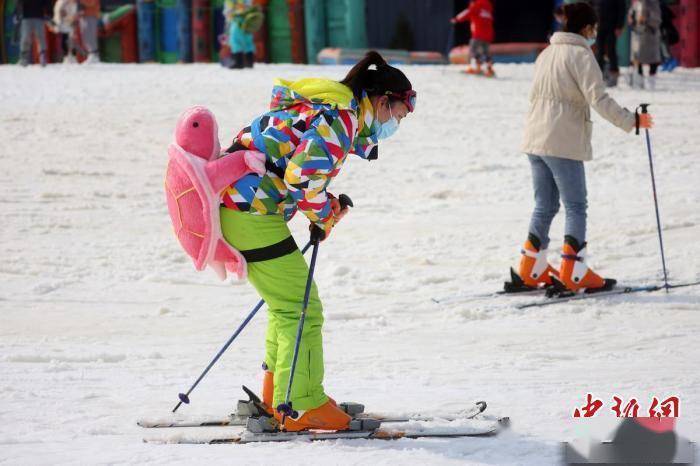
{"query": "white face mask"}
pixel 591 40
pixel 389 127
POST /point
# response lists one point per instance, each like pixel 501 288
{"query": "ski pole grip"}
pixel 645 110
pixel 345 201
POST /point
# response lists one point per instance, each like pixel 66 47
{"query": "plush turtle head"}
pixel 198 133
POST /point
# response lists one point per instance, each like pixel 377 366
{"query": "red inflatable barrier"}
pixel 689 22
pixel 126 27
pixel 201 31
pixel 296 23
pixel 426 58
pixel 510 52
pixel 260 37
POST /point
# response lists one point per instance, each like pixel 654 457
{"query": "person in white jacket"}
pixel 567 83
pixel 65 16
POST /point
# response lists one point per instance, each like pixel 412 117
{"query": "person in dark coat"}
pixel 612 15
pixel 34 14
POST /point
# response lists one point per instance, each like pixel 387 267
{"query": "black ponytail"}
pixel 577 16
pixel 377 81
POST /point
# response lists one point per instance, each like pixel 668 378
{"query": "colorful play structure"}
pixel 294 31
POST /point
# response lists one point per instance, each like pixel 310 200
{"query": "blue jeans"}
pixel 553 177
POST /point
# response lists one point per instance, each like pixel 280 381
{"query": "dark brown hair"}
pixel 577 16
pixel 375 81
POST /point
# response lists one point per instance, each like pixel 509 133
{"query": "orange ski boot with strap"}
pixel 575 275
pixel 326 417
pixel 269 389
pixel 534 271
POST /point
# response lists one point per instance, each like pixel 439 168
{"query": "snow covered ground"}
pixel 103 319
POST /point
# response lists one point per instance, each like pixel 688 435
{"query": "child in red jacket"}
pixel 480 15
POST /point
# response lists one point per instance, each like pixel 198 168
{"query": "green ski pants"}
pixel 281 283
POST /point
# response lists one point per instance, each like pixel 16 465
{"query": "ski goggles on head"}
pixel 407 97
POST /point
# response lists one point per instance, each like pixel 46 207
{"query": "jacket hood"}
pixel 315 90
pixel 568 38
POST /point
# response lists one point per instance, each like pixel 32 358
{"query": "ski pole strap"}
pixel 571 257
pixel 644 108
pixel 273 251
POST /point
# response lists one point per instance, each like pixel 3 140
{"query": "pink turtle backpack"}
pixel 194 179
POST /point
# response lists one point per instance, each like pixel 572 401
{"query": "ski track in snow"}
pixel 104 319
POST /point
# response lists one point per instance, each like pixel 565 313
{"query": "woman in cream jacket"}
pixel 567 83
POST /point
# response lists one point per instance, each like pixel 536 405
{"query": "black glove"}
pixel 317 234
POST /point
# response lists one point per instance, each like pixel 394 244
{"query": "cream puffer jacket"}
pixel 567 82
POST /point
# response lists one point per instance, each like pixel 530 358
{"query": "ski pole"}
pixel 644 108
pixel 184 397
pixel 316 236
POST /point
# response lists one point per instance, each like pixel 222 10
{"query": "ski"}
pixel 455 299
pixel 514 287
pixel 353 409
pixel 566 297
pixel 231 420
pixel 554 296
pixel 472 428
pixel 570 296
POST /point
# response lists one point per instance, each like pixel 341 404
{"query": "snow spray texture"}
pixel 311 127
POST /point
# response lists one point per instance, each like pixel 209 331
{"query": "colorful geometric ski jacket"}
pixel 311 127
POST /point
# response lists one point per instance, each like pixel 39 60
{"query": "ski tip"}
pixel 481 405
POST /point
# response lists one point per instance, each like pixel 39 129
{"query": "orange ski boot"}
pixel 534 270
pixel 326 417
pixel 473 70
pixel 489 73
pixel 268 389
pixel 575 275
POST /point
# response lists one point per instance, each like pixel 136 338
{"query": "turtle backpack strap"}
pixel 194 178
